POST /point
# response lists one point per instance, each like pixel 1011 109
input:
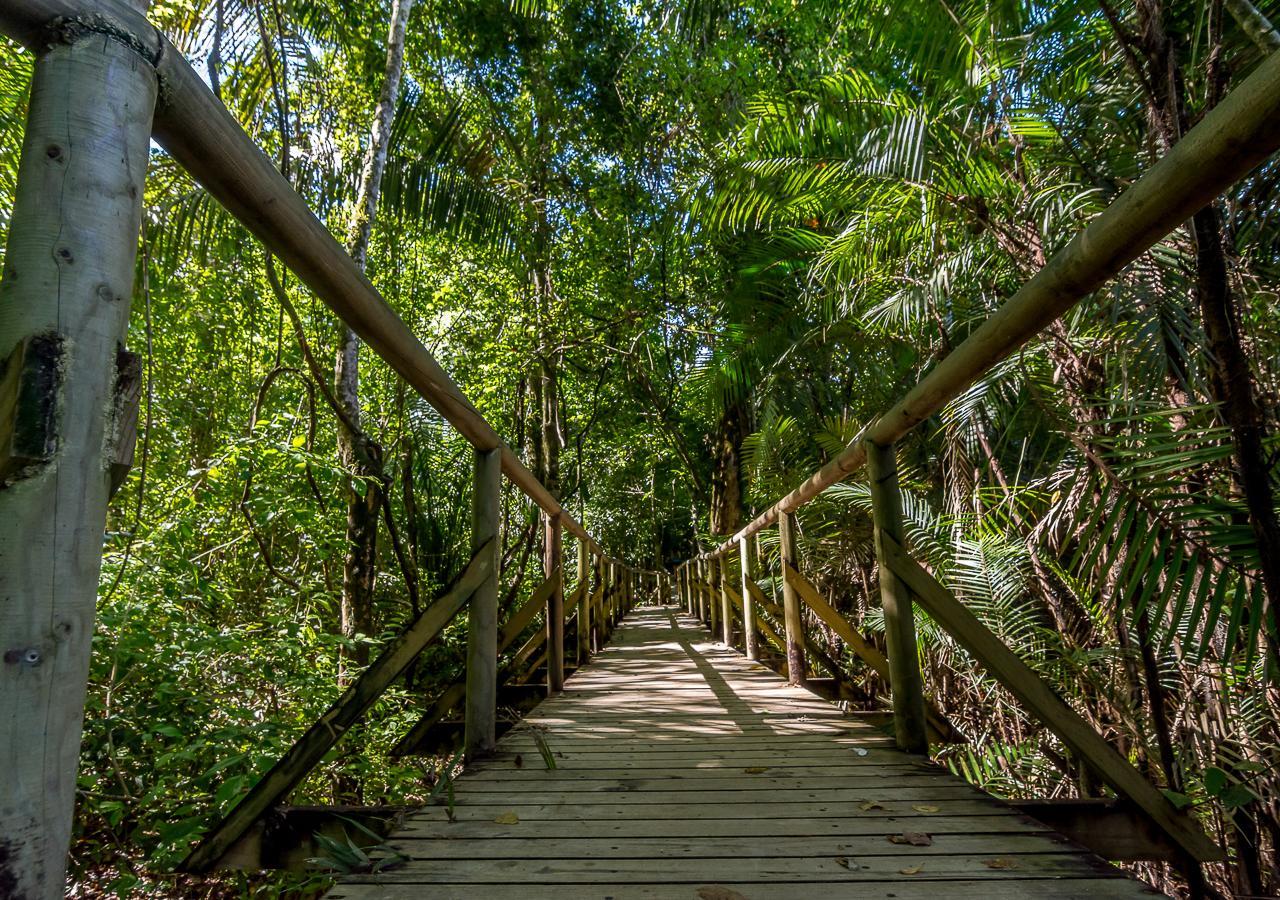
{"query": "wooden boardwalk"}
pixel 685 771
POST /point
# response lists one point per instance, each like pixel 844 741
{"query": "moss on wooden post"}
pixel 64 301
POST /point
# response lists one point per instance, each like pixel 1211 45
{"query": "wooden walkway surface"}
pixel 685 771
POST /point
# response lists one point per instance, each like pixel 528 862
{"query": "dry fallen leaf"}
pixel 912 870
pixel 1000 862
pixel 519 760
pixel 871 804
pixel 843 861
pixel 922 807
pixel 507 818
pixel 914 838
pixel 755 770
pixel 716 892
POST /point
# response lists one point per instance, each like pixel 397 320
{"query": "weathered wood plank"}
pixel 900 888
pixel 755 868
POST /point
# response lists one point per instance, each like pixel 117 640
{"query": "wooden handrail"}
pixel 207 141
pixel 1232 140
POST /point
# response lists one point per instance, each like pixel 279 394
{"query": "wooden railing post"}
pixel 905 682
pixel 746 559
pixel 552 567
pixel 791 601
pixel 597 614
pixel 479 736
pixel 67 415
pixel 726 605
pixel 713 596
pixel 584 604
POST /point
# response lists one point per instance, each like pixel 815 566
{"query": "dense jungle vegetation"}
pixel 678 255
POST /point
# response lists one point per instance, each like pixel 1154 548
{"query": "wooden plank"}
pixel 1065 722
pixel 534 847
pixel 569 783
pixel 900 888
pixel 756 869
pixel 608 812
pixel 993 823
pixel 832 798
pixel 318 739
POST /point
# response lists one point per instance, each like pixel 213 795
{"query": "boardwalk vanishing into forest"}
pixel 684 770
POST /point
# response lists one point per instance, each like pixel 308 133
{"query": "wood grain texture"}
pixel 681 768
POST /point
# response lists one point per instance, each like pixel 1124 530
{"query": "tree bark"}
pixel 360 455
pixel 726 478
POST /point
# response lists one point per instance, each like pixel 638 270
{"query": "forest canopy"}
pixel 679 254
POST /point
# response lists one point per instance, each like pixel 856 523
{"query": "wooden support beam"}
pixel 792 618
pixel 64 312
pixel 905 682
pixel 286 837
pixel 1113 829
pixel 940 726
pixel 482 614
pixel 1039 698
pixel 318 739
pixel 552 567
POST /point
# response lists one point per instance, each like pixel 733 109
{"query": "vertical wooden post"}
pixel 552 567
pixel 64 313
pixel 479 737
pixel 584 604
pixel 906 684
pixel 746 558
pixel 597 614
pixel 726 605
pixel 791 601
pixel 713 595
pixel 704 579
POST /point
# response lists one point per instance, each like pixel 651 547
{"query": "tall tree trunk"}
pixel 1230 377
pixel 726 476
pixel 361 456
pixel 64 311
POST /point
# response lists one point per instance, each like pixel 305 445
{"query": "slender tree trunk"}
pixel 360 455
pixel 726 477
pixel 64 312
